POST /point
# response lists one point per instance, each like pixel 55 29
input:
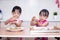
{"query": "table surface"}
pixel 4 33
pixel 27 33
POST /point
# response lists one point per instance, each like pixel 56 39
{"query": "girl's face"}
pixel 16 13
pixel 43 17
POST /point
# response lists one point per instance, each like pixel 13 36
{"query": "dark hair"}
pixel 0 11
pixel 45 12
pixel 18 8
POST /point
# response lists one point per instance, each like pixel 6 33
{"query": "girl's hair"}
pixel 0 11
pixel 18 8
pixel 44 12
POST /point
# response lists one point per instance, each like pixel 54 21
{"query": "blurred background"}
pixel 30 8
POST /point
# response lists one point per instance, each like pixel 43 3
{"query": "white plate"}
pixel 39 28
pixel 44 31
pixel 15 28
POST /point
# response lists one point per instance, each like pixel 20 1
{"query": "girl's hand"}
pixel 33 21
pixel 18 24
pixel 13 19
pixel 13 22
pixel 34 18
pixel 10 20
pixel 39 23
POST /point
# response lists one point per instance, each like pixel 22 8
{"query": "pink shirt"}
pixel 41 22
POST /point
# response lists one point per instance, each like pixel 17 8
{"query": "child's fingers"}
pixel 12 22
pixel 34 17
pixel 39 23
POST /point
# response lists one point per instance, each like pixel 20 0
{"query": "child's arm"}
pixel 6 22
pixel 43 25
pixel 56 28
pixel 33 21
pixel 10 20
pixel 18 24
pixel 13 18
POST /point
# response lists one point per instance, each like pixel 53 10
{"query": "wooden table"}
pixel 4 33
pixel 26 33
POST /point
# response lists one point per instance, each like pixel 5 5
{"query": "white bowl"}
pixel 40 28
pixel 15 29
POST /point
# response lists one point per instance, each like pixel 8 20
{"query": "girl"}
pixel 16 12
pixel 42 22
